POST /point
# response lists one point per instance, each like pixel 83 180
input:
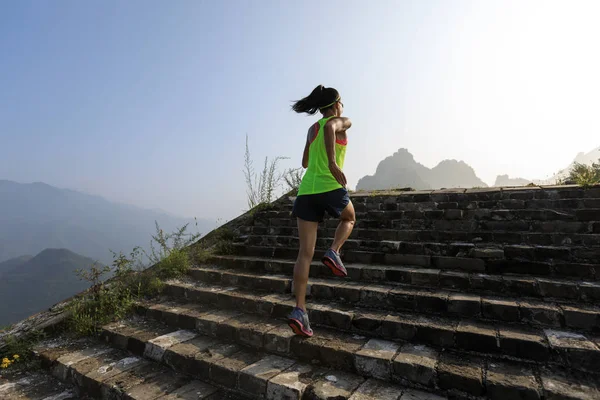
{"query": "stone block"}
pixel 117 335
pixel 588 214
pixel 399 327
pixel 203 361
pixel 253 379
pixel 290 384
pixel 574 349
pixel 348 292
pixel 334 385
pixel 251 330
pixel 500 309
pixel 413 394
pixel 374 296
pixel 156 386
pixel 399 274
pixel 467 305
pixel 369 322
pixel 582 317
pixel 155 348
pixel 194 390
pixel 323 289
pixel 521 286
pixel 334 349
pixel 590 291
pixel 477 336
pixel 373 273
pixel 558 289
pixel 457 263
pixel 540 313
pixel 375 359
pixel 128 380
pixel 417 364
pixel 454 280
pixel 408 259
pixel 224 371
pixel 453 214
pixel 524 343
pixel 563 385
pixel 63 365
pixel 461 373
pixel 373 389
pixel 425 277
pixel 481 252
pixel 401 299
pixel 436 331
pixel 519 252
pixel 511 381
pixel 181 357
pixel 278 340
pixel 389 246
pixel 431 301
pixel 330 316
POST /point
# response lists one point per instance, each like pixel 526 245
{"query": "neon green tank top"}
pixel 318 178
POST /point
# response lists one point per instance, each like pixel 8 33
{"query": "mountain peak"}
pixel 401 170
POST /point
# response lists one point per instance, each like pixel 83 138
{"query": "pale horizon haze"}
pixel 149 103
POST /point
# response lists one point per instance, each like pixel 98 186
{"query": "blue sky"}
pixel 149 102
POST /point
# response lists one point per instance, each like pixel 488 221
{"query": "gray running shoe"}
pixel 298 321
pixel 334 262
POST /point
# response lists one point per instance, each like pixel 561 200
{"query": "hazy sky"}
pixel 148 102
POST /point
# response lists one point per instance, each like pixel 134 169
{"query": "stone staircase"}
pixel 452 294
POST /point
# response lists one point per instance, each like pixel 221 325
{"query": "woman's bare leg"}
pixel 344 229
pixel 307 232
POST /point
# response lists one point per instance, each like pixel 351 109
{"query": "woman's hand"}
pixel 338 174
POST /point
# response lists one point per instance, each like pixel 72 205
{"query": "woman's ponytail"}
pixel 320 98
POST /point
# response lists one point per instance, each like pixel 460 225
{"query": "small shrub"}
pixel 18 352
pixel 200 255
pixel 584 175
pixel 175 264
pixel 153 287
pixel 261 188
pixel 224 241
pixel 292 179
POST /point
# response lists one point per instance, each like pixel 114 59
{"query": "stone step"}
pixel 247 371
pixel 520 198
pixel 558 268
pixel 384 221
pixel 568 348
pixel 405 363
pixel 35 385
pixel 104 372
pixel 488 199
pixel 585 215
pixel 579 290
pixel 496 253
pixel 407 298
pixel 481 238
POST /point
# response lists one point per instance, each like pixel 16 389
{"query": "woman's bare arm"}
pixel 336 171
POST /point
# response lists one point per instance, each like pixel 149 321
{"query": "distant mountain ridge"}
pixel 32 284
pixel 37 216
pixel 401 170
pixel 13 263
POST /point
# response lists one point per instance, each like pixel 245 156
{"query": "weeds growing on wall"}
pixel 584 175
pixel 112 299
pixel 17 354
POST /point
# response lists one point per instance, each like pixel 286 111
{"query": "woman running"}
pixel 323 189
